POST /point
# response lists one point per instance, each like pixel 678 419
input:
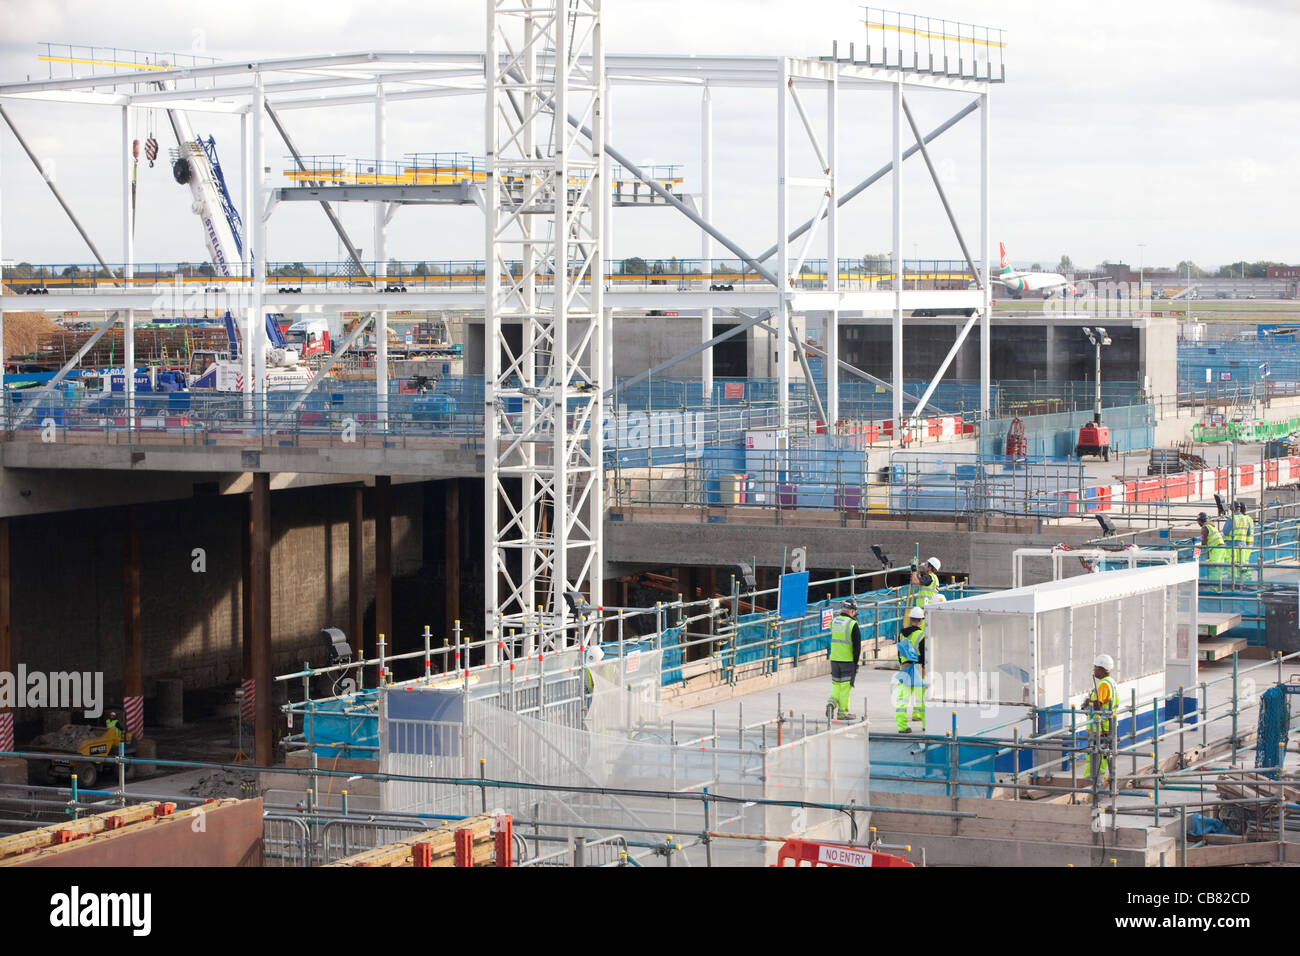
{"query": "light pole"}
pixel 1141 267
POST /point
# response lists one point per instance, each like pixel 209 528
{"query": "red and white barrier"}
pixel 7 730
pixel 133 709
pixel 1185 486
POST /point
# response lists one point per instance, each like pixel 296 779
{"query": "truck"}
pixel 224 371
pixel 67 748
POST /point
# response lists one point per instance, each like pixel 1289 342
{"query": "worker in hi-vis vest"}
pixel 1242 539
pixel 926 582
pixel 1214 548
pixel 1100 705
pixel 846 646
pixel 909 685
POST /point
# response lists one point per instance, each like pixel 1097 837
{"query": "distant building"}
pixel 1282 272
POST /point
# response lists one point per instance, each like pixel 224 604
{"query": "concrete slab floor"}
pixel 807 699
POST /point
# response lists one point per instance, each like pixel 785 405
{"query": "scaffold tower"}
pixel 546 200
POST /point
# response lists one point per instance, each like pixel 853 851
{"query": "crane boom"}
pixel 197 168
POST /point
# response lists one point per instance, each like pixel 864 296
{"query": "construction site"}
pixel 538 557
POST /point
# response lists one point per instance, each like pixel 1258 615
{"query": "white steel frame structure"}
pixel 545 206
pixel 543 78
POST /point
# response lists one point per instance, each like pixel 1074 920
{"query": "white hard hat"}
pixel 1104 660
pixel 916 614
pixel 934 563
pixel 938 599
pixel 595 654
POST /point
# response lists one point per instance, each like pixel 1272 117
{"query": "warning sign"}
pixel 843 856
pixel 633 661
pixel 828 616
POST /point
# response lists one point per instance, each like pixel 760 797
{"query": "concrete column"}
pixel 356 571
pixel 451 552
pixel 264 740
pixel 246 587
pixel 133 692
pixel 384 560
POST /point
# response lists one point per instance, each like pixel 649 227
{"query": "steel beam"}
pixel 31 402
pixel 297 158
pixel 49 181
pixel 943 367
pixel 880 173
pixel 938 187
pixel 324 370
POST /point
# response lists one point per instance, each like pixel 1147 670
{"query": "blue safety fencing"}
pixel 1131 427
pixel 759 636
pixel 1204 365
pixel 345 727
pixel 669 641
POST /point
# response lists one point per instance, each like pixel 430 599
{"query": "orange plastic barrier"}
pixel 810 853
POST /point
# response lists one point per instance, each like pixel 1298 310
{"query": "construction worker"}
pixel 846 647
pixel 1100 705
pixel 926 582
pixel 1214 547
pixel 110 723
pixel 909 685
pixel 1242 539
pixel 594 655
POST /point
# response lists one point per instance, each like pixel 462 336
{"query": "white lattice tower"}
pixel 546 197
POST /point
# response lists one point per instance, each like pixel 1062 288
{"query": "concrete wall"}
pixel 67 583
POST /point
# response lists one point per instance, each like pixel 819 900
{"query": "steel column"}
pixel 986 256
pixel 897 256
pixel 248 192
pixel 128 270
pixel 706 241
pixel 832 363
pixel 783 246
pixel 381 268
pixel 254 351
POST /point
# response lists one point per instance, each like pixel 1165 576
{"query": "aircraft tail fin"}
pixel 1005 264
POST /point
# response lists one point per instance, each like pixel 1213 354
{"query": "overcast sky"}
pixel 1169 124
